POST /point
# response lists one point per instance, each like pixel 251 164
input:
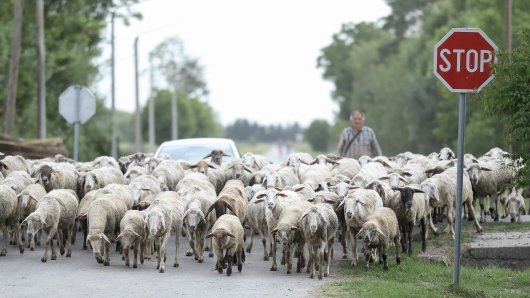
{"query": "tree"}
pixel 317 135
pixel 508 100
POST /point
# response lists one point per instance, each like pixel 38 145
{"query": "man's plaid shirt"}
pixel 365 143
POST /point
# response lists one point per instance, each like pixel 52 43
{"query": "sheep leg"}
pixel 354 248
pixel 403 238
pixel 84 228
pixel 19 238
pixel 106 256
pixel 368 254
pixel 262 232
pixel 70 240
pixel 162 253
pixel 385 263
pixel 191 245
pixel 274 266
pixel 5 232
pixel 287 255
pixel 74 233
pixel 472 211
pixel 493 207
pixel 60 242
pixel 177 242
pixel 249 245
pixel 200 246
pixel 210 253
pixel 330 248
pixel 450 221
pixel 320 259
pixel 229 258
pixel 142 250
pixel 423 232
pixel 300 251
pixel 240 256
pixel 409 238
pixel 125 254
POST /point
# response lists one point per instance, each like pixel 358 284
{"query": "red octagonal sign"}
pixel 463 60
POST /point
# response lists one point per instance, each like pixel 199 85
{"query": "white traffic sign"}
pixel 77 104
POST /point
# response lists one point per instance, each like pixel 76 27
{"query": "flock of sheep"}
pixel 139 201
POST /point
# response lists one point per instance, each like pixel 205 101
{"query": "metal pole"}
pixel 41 50
pixel 151 108
pixel 137 126
pixel 174 125
pixel 459 178
pixel 113 149
pixel 76 139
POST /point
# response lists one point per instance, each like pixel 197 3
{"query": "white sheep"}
pixel 257 221
pixel 227 234
pixel 288 232
pixel 134 172
pixel 164 217
pixel 18 180
pixel 11 163
pixel 55 212
pixel 358 205
pixel 144 190
pixel 259 176
pixel 168 173
pixel 348 167
pixel 133 233
pixel 446 154
pixel 214 173
pixel 255 161
pixel 283 177
pixel 82 213
pixel 319 225
pixel 233 198
pixel 9 217
pixel 368 173
pixel 57 176
pixel 314 175
pixel 27 203
pixel 100 177
pixel 378 232
pixel 514 205
pixel 216 156
pixel 105 161
pixel 236 169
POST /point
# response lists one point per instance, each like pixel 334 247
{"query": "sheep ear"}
pixel 210 209
pixel 209 236
pixel 274 231
pixel 379 232
pixel 248 170
pixel 211 166
pixel 384 178
pixel 486 169
pixel 227 155
pixel 360 234
pixel 87 242
pixel 293 228
pixel 119 236
pixel 403 179
pixel 136 234
pixel 185 215
pixel 203 218
pixel 397 188
pixel 416 190
pixel 209 155
pixel 281 194
pixel 230 235
pixel 341 205
pixel 231 208
pixel 313 162
pixel 298 189
pixel 105 238
pixel 311 200
pixel 192 166
pixel 329 201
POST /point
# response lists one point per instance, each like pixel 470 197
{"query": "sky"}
pixel 259 56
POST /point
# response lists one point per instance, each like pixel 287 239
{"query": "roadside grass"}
pixel 415 277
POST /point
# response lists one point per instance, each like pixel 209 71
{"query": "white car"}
pixel 196 149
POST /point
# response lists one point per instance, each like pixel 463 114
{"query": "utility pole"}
pixel 137 126
pixel 113 147
pixel 151 107
pixel 10 104
pixel 41 52
pixel 174 115
pixel 508 41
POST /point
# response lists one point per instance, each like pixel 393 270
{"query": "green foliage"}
pixel 244 130
pixel 387 72
pixel 508 100
pixel 317 135
pixel 74 33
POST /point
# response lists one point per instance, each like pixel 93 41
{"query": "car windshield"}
pixel 195 152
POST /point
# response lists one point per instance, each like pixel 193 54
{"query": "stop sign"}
pixel 463 60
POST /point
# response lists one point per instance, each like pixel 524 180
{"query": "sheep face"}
pixel 401 160
pixel 363 160
pixel 370 236
pixel 313 221
pixel 45 173
pixel 285 235
pixel 23 199
pixel 91 182
pixel 272 197
pixel 221 237
pixel 97 240
pixel 127 238
pixel 446 154
pixel 155 223
pixel 193 217
pixel 514 204
pixel 351 208
pixel 431 191
pixel 34 225
pixel 475 173
pixel 342 189
pixel 249 160
pixel 216 156
pixel 272 180
pixel 407 195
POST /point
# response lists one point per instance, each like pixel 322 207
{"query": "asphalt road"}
pixel 81 276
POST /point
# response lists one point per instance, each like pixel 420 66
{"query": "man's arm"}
pixel 342 142
pixel 376 149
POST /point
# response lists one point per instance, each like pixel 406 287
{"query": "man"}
pixel 358 140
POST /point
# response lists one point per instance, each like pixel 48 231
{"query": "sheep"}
pixel 257 221
pixel 56 212
pixel 105 161
pixel 144 190
pixel 104 215
pixel 238 170
pixel 12 163
pixel 121 192
pixel 409 210
pixel 18 180
pixel 168 173
pixel 100 177
pixel 27 203
pixel 514 204
pixel 364 160
pixel 82 213
pixel 446 154
pixel 233 198
pixel 213 172
pixel 358 205
pixel 163 217
pixel 368 173
pixel 488 178
pixel 216 156
pixel 133 233
pixel 324 160
pixel 134 172
pixel 288 232
pixel 57 176
pixel 251 190
pixel 306 192
pixel 259 176
pixel 318 225
pixel 198 199
pixel 378 232
pixel 297 160
pixel 255 161
pixel 276 201
pixel 227 234
pixel 348 167
pixel 283 177
pixel 9 217
pixel 313 175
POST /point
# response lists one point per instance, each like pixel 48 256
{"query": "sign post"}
pixel 77 104
pixel 463 61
